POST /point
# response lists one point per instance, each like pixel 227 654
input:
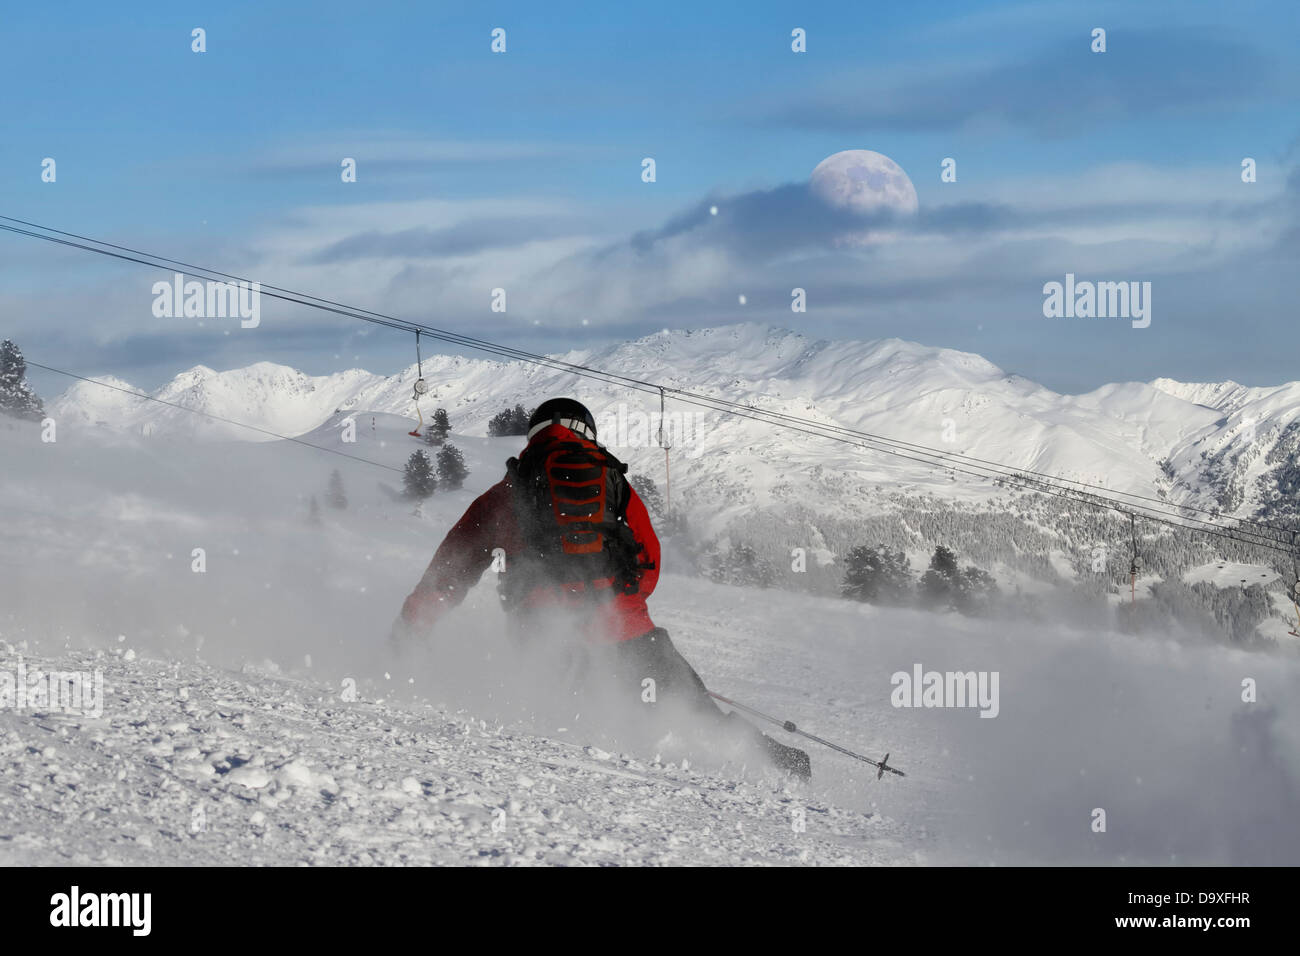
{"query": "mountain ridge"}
pixel 1211 444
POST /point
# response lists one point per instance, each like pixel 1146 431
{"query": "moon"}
pixel 865 182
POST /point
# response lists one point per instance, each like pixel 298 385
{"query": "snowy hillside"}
pixel 229 732
pixel 272 397
pixel 1246 461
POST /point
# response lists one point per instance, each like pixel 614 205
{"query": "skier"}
pixel 579 548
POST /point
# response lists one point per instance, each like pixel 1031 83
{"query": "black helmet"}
pixel 569 412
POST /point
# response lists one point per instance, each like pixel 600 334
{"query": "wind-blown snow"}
pixel 228 732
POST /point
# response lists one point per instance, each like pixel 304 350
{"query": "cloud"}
pixel 1213 246
pixel 461 239
pixel 993 253
pixel 789 219
pixel 1060 92
pixel 393 152
pixel 761 222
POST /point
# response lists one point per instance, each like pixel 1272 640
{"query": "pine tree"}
pixel 499 426
pixel 649 494
pixel 943 561
pixel 521 418
pixel 335 496
pixel 862 575
pixel 975 590
pixel 898 577
pixel 510 421
pixel 742 566
pixel 436 432
pixel 418 478
pixel 938 588
pixel 16 396
pixel 451 468
pixel 667 523
pixel 877 576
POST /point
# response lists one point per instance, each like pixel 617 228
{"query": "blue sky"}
pixel 522 170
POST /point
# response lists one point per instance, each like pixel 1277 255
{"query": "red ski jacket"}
pixel 491 523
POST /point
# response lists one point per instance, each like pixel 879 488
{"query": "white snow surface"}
pixel 229 734
pixel 1230 574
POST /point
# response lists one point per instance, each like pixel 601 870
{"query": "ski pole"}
pixel 789 727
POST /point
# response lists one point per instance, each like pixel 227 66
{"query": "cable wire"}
pixel 984 469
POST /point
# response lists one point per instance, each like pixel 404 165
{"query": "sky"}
pixel 522 170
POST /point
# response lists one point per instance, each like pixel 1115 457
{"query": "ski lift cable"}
pixel 301 298
pixel 508 351
pixel 457 338
pixel 818 430
pixel 1009 469
pixel 1133 565
pixel 1020 476
pixel 703 401
pixel 419 388
pixel 1066 494
pixel 938 458
pixel 663 443
pixel 1132 528
pixel 1026 482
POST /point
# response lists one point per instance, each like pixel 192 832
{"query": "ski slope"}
pixel 198 765
pixel 229 733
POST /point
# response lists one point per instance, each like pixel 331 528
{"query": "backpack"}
pixel 571 498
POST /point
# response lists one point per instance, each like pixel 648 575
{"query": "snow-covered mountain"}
pixel 1246 459
pixel 269 396
pixel 1212 444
